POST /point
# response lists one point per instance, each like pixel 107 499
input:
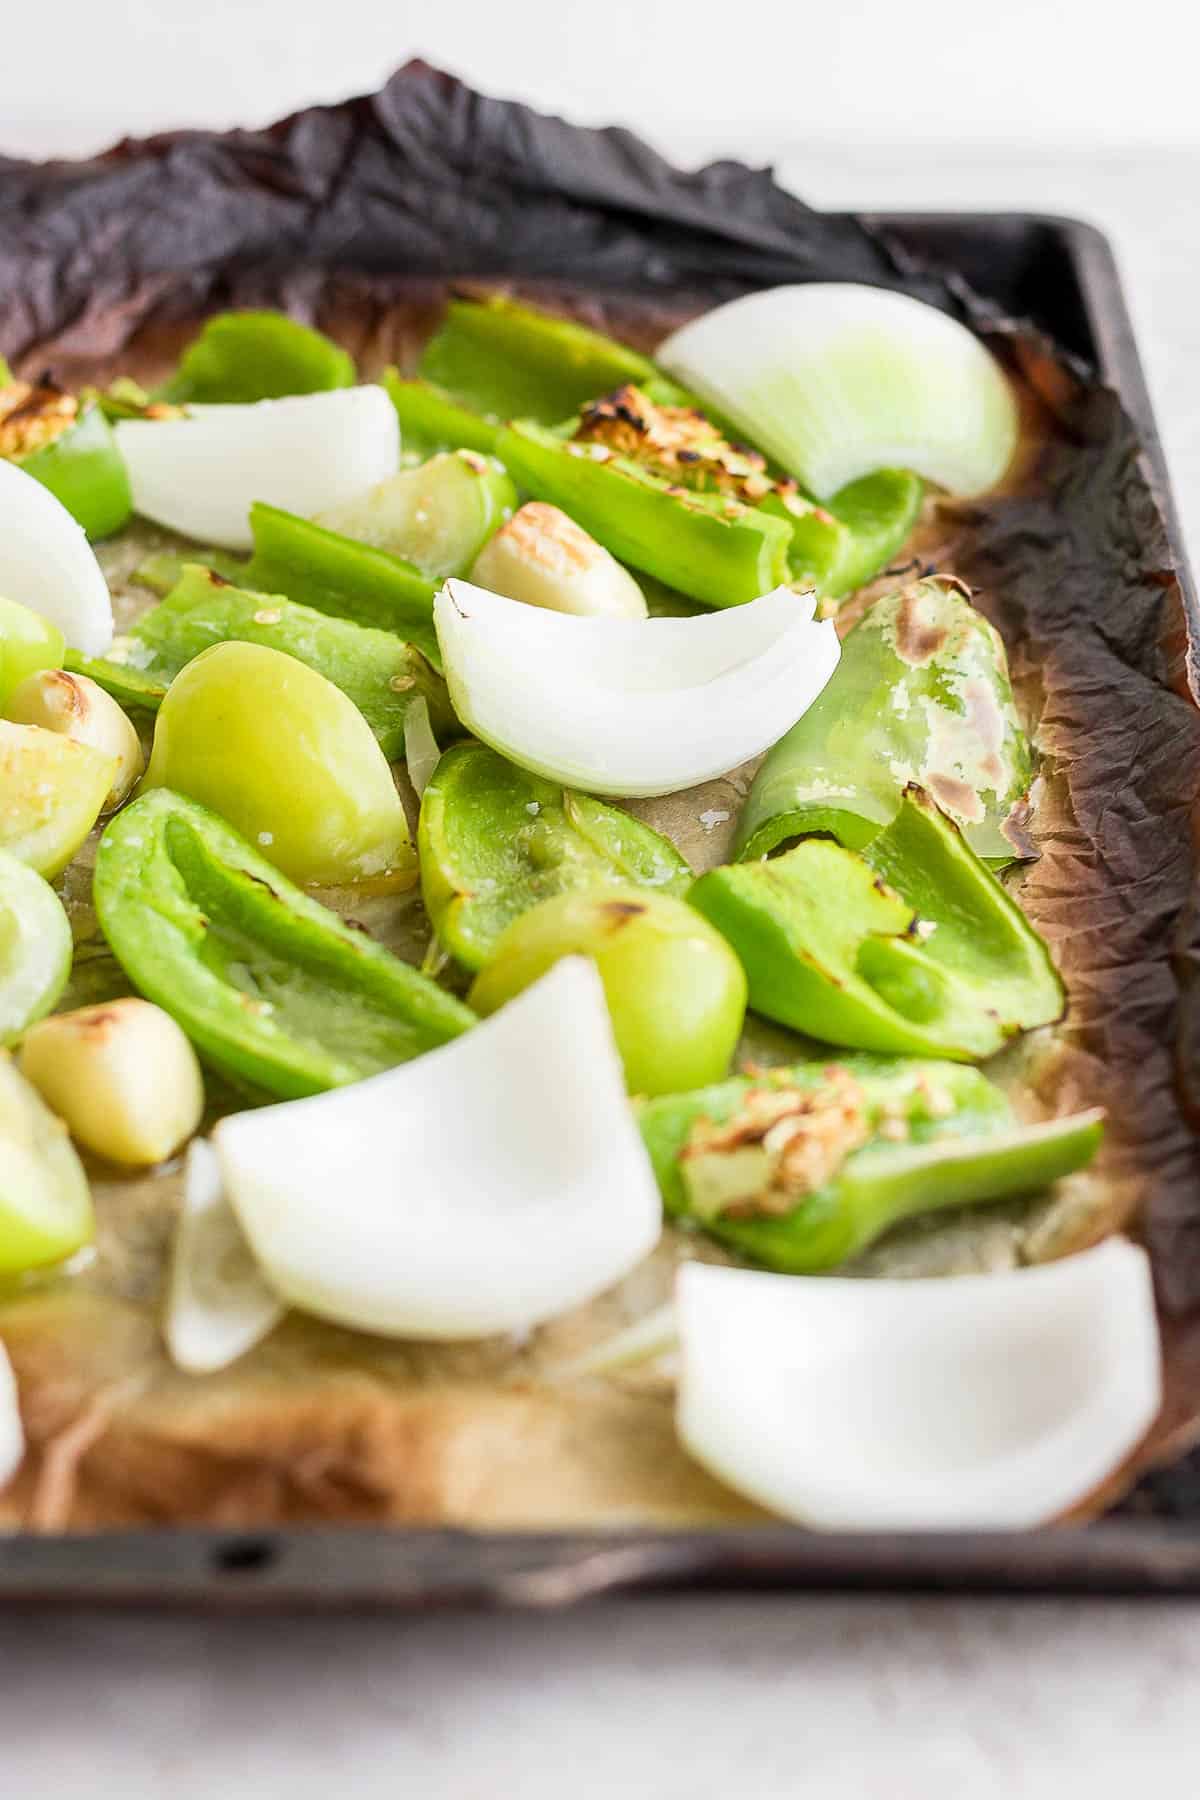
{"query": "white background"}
pixel 1079 108
pixel 747 76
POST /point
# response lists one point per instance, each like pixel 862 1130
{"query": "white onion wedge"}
pixel 47 564
pixel 200 474
pixel 218 1305
pixel 975 1402
pixel 12 1435
pixel 485 1187
pixel 631 706
pixel 835 380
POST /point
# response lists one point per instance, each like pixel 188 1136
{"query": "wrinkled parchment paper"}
pixel 355 217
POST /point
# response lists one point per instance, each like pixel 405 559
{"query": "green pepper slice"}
pixel 711 547
pixel 511 361
pixel 70 449
pixel 921 695
pixel 803 1167
pixel 247 356
pixel 272 988
pixel 494 840
pixel 380 672
pixel 910 947
pixel 338 575
pixel 431 420
pixel 35 947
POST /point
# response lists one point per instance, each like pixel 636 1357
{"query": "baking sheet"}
pixel 427 172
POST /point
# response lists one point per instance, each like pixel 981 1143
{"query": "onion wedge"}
pixel 836 380
pixel 47 564
pixel 974 1402
pixel 200 474
pixel 218 1305
pixel 484 1188
pixel 12 1435
pixel 631 706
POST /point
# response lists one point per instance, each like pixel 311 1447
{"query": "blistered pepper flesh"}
pixel 715 549
pixel 910 947
pixel 273 988
pixel 921 695
pixel 802 1167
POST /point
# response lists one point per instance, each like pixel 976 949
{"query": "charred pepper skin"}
pixel 921 695
pixel 917 1137
pixel 717 550
pixel 910 947
pixel 274 990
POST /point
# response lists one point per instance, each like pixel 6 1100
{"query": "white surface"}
pixel 956 71
pixel 668 1700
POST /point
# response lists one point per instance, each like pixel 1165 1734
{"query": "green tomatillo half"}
pixel 380 672
pixel 282 754
pixel 675 991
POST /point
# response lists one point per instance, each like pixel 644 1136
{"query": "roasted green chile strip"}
pixel 431 420
pixel 246 356
pixel 338 575
pixel 381 673
pixel 801 1168
pixel 715 549
pixel 511 361
pixel 274 990
pixel 494 840
pixel 921 694
pixel 910 947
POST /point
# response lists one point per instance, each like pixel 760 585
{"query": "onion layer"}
pixel 218 1305
pixel 978 1402
pixel 631 706
pixel 836 380
pixel 485 1187
pixel 200 474
pixel 47 564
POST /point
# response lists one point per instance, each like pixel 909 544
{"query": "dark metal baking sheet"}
pixel 1062 274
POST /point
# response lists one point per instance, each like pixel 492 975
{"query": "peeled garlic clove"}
pixel 485 1187
pixel 122 1076
pixel 47 564
pixel 74 706
pixel 543 558
pixel 965 1403
pixel 218 1305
